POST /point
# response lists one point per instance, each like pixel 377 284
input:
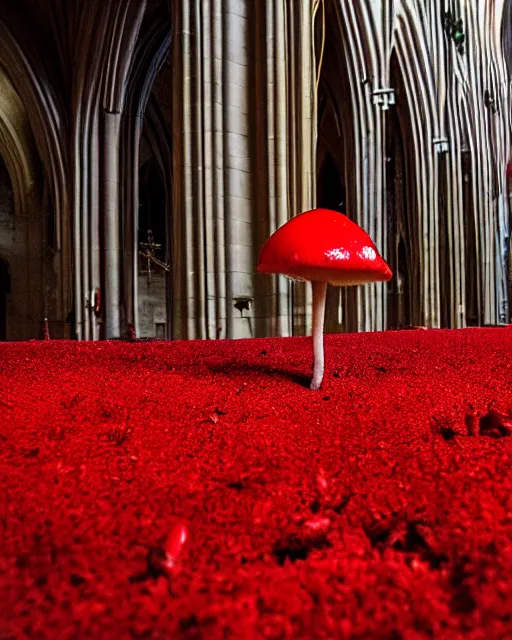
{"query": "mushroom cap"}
pixel 324 246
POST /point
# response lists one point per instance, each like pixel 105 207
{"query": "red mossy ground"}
pixel 361 511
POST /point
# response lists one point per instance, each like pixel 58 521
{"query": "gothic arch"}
pixel 16 145
pixel 153 48
pixel 22 227
pixel 35 90
pixel 92 44
pixel 99 89
pixel 45 113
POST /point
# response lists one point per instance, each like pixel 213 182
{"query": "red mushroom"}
pixel 323 246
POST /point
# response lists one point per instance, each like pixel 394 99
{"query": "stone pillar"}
pixel 131 212
pixel 95 245
pixel 242 164
pixel 238 213
pixel 112 288
pixel 99 71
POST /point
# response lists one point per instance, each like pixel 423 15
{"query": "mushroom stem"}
pixel 319 294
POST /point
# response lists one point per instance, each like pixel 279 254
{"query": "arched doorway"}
pixel 154 225
pixel 153 272
pixel 146 172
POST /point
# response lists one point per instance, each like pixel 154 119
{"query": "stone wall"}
pixel 152 306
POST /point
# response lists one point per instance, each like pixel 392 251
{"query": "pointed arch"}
pixel 21 243
pixel 32 84
pixel 49 128
pixel 153 48
pixel 16 145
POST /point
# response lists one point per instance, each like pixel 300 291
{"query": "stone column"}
pixel 238 175
pixel 99 71
pixel 242 164
pixel 111 251
pixel 95 245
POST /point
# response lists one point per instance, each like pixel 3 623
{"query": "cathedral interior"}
pixel 169 467
pixel 148 149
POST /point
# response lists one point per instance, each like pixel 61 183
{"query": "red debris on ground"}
pixel 201 490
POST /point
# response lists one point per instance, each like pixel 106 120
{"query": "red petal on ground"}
pixel 174 543
pixel 368 511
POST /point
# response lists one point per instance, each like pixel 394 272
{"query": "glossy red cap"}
pixel 324 246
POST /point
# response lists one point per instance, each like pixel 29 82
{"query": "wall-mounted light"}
pixel 384 98
pixel 242 303
pixel 441 145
